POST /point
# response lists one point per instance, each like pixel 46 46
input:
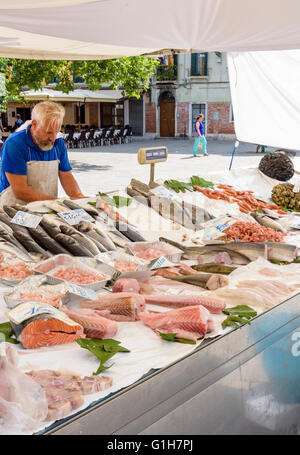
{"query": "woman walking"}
pixel 200 138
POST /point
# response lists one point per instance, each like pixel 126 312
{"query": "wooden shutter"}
pixel 194 58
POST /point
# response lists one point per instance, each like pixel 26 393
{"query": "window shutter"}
pixel 205 55
pixel 194 58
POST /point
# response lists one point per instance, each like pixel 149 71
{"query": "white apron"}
pixel 41 176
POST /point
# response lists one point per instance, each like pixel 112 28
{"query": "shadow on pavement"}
pixel 78 166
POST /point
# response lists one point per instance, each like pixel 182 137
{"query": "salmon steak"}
pixel 192 321
pixel 38 324
pixel 213 304
pixel 47 331
pixel 123 306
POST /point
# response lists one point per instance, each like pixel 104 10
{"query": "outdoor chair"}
pixel 99 136
pixel 108 136
pixel 91 138
pixel 82 140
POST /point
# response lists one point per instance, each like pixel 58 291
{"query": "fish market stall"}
pixel 183 291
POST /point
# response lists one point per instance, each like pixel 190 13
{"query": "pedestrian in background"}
pixel 18 123
pixel 200 141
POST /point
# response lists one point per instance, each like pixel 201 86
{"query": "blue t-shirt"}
pixel 200 127
pixel 19 148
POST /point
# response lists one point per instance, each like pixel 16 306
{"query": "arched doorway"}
pixel 167 114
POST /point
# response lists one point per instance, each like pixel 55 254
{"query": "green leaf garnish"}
pixel 102 349
pixel 238 315
pixel 122 201
pixel 198 181
pixel 7 331
pixel 172 337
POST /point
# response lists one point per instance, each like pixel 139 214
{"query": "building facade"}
pixel 184 86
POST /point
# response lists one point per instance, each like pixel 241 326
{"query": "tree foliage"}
pixel 131 74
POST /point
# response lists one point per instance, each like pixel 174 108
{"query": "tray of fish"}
pixel 72 270
pixel 37 288
pixel 149 251
pixel 123 262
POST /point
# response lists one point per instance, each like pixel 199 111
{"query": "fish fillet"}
pixel 123 306
pixel 213 304
pixel 192 320
pixel 93 322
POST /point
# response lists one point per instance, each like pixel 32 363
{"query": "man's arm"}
pixel 24 192
pixel 70 185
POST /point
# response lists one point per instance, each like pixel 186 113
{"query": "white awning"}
pixel 79 29
pixel 77 95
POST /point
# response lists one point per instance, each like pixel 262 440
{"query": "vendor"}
pixel 33 158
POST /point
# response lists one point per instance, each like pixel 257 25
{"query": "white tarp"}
pixel 265 93
pixel 97 29
pixel 75 95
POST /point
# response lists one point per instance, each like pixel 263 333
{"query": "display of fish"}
pixel 97 235
pixel 14 251
pixel 73 245
pixel 80 238
pixel 214 268
pixel 266 221
pixel 7 234
pixel 93 322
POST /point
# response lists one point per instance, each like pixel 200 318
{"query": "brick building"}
pixel 184 86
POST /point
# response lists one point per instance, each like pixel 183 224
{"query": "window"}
pixel 77 80
pixel 199 64
pixel 198 109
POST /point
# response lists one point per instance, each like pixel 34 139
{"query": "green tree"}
pixel 131 74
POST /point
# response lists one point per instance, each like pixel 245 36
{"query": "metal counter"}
pixel 245 382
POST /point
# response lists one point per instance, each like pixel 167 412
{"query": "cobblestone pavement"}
pixel 110 168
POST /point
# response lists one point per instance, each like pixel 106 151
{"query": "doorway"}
pixel 167 114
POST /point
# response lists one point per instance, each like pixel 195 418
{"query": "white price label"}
pixel 82 292
pixel 26 219
pixel 76 216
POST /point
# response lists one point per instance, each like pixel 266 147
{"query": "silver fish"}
pixel 10 211
pixel 87 243
pixel 72 245
pixel 27 241
pixel 266 221
pixel 45 241
pixel 11 249
pixel 132 234
pixel 56 206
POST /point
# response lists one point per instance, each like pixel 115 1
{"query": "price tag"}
pixel 26 219
pixel 76 216
pixel 82 292
pixel 161 262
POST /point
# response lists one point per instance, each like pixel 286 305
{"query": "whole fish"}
pixel 8 237
pixel 56 206
pixel 214 268
pixel 72 245
pixel 45 241
pixel 85 206
pixel 251 251
pixel 100 239
pixel 266 221
pixel 87 243
pixel 6 228
pixel 51 228
pixel 129 232
pixel 27 241
pixel 11 249
pixel 10 211
pixel 210 281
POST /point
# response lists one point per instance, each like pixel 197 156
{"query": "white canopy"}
pixel 99 29
pixel 85 29
pixel 82 95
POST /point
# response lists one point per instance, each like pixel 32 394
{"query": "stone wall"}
pixel 218 119
pixel 183 118
pixel 150 117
